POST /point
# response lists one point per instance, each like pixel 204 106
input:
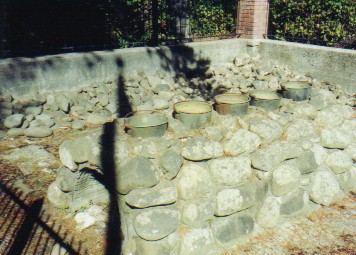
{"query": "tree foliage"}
pixel 322 22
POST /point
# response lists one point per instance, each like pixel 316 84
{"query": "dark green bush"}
pixel 323 22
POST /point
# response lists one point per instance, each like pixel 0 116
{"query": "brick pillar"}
pixel 252 16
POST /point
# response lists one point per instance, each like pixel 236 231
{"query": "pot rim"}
pixel 265 99
pixel 247 98
pixel 304 85
pixel 193 101
pixel 152 112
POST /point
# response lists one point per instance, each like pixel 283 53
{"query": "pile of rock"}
pixel 196 192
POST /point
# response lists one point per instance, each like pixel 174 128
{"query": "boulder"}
pixel 198 148
pixel 242 141
pixel 269 213
pixel 197 212
pixel 339 162
pixel 265 128
pixel 199 241
pixel 171 162
pixel 335 138
pixel 38 132
pixel 14 120
pixel 285 179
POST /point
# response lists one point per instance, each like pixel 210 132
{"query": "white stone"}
pixel 230 171
pixel 242 141
pixel 339 162
pixel 335 138
pixel 269 213
pixel 198 241
pixel 265 128
pixel 300 129
pixel 285 179
pixel 199 148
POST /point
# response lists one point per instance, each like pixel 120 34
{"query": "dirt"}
pixel 29 224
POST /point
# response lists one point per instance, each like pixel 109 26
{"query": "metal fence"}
pixel 38 27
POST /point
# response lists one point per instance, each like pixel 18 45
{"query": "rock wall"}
pixel 198 191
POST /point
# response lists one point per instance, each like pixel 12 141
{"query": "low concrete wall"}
pixel 337 66
pixel 71 71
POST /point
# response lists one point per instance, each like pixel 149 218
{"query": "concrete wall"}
pixel 71 71
pixel 338 66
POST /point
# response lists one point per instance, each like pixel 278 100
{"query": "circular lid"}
pixel 231 98
pixel 264 95
pixel 194 107
pixel 296 85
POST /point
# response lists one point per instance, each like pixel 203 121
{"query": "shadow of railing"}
pixel 26 228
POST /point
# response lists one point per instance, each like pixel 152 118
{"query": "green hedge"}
pixel 323 22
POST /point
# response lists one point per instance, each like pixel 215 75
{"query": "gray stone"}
pixel 88 191
pixel 268 158
pixel 199 241
pixel 78 124
pixel 329 117
pixel 65 154
pixel 349 126
pixel 45 120
pixel 294 202
pixel 153 81
pixel 229 230
pixel 157 223
pixel 199 148
pixel 197 212
pixel 269 213
pixel 57 197
pixel 339 162
pixel 213 133
pixel 160 103
pixel 34 110
pixel 139 172
pixel 15 132
pixel 347 180
pixel 103 100
pixel 300 129
pixel 171 162
pixel 242 141
pixel 123 152
pixel 265 128
pixel 97 119
pixel 324 188
pixel 305 110
pixel 150 147
pixel 66 179
pixel 306 162
pixel 193 181
pixel 321 98
pixel 161 88
pixel 335 138
pixel 285 179
pixel 162 194
pixel 25 124
pixel 80 149
pixel 38 132
pixel 351 151
pixel 230 171
pixel 158 247
pixel 63 102
pixel 14 120
pixel 229 201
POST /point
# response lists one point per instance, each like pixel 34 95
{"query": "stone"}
pixel 294 202
pixel 285 179
pixel 324 188
pixel 89 217
pixel 321 98
pixel 242 141
pixel 305 110
pixel 63 102
pixel 198 212
pixel 230 171
pixel 269 213
pixel 229 230
pixel 335 138
pixel 157 223
pixel 270 157
pixel 57 249
pixel 89 191
pixel 199 241
pixel 78 124
pixel 57 197
pixel 34 110
pixel 198 148
pixel 97 119
pixel 16 132
pixel 80 149
pixel 150 147
pixel 329 117
pixel 66 179
pixel 320 153
pixel 347 180
pixel 213 133
pixel 300 129
pixel 306 162
pixel 229 201
pixel 103 100
pixel 161 88
pixel 123 152
pixel 171 162
pixel 162 194
pixel 65 155
pixel 44 120
pixel 188 90
pixel 265 128
pixel 14 120
pixel 351 151
pixel 153 81
pixel 38 132
pixel 139 172
pixel 339 162
pixel 158 247
pixel 160 103
pixel 193 181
